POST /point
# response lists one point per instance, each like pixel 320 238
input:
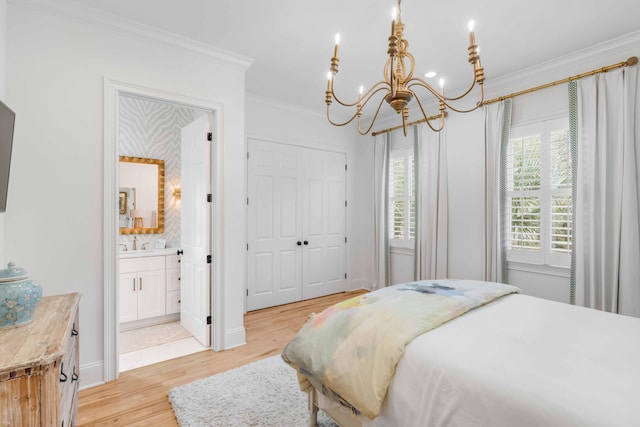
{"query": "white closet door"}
pixel 296 224
pixel 324 224
pixel 274 257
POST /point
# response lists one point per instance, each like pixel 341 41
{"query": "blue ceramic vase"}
pixel 18 296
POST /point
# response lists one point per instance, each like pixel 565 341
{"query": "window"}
pixel 538 194
pixel 402 205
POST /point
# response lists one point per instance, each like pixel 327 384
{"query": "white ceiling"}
pixel 291 41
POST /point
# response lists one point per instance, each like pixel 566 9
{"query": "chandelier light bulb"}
pixel 337 38
pixel 441 83
pixel 361 90
pixel 329 75
pixel 394 13
pixel 471 25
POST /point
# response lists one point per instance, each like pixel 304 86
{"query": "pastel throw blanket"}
pixel 350 350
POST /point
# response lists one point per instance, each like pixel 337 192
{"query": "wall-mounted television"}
pixel 7 121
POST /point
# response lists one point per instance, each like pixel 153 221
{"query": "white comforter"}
pixel 519 362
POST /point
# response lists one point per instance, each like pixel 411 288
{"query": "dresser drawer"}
pixel 43 352
pixel 69 373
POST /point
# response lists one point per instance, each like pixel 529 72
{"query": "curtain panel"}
pixel 381 258
pixel 431 211
pixel 607 236
pixel 496 138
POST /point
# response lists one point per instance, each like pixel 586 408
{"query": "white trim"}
pixel 77 12
pixel 269 102
pixel 549 270
pixel 531 76
pixel 112 91
pixel 91 375
pixel 610 47
pixel 357 284
pixel 235 338
pixel 402 250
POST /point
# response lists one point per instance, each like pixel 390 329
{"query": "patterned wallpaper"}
pixel 152 129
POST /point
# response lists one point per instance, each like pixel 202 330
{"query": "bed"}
pixel 514 361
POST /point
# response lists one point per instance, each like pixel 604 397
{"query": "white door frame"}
pixel 112 91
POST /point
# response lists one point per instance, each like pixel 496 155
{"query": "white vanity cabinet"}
pixel 173 284
pixel 142 288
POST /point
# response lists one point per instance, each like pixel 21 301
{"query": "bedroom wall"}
pixel 3 78
pixel 277 122
pixel 465 147
pixel 58 60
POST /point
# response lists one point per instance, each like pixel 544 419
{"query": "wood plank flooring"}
pixel 139 397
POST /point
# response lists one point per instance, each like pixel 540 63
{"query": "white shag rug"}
pixel 263 393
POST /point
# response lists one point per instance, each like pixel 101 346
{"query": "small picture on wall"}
pixel 122 196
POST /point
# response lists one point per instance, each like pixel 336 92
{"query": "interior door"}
pixel 324 224
pixel 274 256
pixel 296 224
pixel 195 229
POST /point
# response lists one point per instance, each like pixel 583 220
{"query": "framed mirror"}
pixel 141 196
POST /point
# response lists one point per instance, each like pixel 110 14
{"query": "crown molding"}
pixel 580 61
pixel 82 14
pixel 577 59
pixel 270 102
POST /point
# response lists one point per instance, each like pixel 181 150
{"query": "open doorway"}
pixel 165 239
pixel 160 288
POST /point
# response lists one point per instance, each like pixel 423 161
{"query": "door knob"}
pixel 299 243
pixel 306 243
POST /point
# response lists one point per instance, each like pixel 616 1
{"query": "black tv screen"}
pixel 7 121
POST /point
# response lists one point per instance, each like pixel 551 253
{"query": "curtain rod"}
pixel 629 62
pixel 408 124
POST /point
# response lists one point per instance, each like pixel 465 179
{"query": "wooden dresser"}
pixel 39 366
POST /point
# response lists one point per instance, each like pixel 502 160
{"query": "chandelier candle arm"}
pixel 398 83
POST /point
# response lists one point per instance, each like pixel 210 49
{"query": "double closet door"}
pixel 296 223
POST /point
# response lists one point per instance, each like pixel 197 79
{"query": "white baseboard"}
pixel 235 338
pixel 355 284
pixel 136 324
pixel 91 375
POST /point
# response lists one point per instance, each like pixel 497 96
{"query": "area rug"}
pixel 263 393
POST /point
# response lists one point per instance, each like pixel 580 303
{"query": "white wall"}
pixel 465 145
pixel 54 225
pixel 277 122
pixel 3 79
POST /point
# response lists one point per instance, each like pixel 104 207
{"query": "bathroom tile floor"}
pixel 153 344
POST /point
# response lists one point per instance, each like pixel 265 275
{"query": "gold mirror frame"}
pixel 160 228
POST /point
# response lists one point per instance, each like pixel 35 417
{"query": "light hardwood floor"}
pixel 139 397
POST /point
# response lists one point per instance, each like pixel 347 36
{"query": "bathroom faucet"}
pixel 125 246
pixel 135 239
pixel 144 245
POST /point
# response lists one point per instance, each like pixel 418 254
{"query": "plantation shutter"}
pixel 523 192
pixel 401 195
pixel 561 205
pixel 538 182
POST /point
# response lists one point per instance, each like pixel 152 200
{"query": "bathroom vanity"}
pixel 149 286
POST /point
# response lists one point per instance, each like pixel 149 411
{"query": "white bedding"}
pixel 519 362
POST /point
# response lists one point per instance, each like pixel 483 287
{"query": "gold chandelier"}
pixel 399 82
